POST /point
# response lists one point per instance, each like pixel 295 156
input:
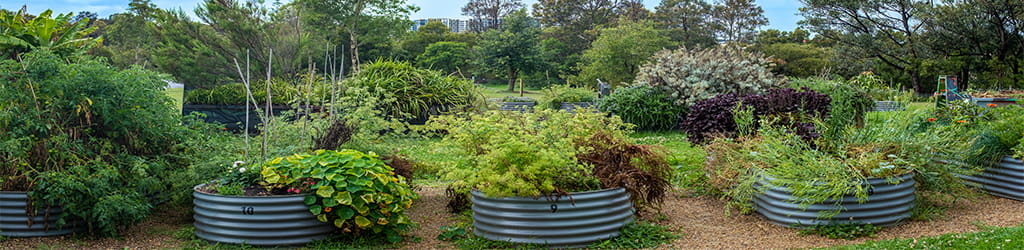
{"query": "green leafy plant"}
pixel 846 231
pixel 514 154
pixel 62 35
pixel 354 191
pixel 646 107
pixel 449 233
pixel 689 76
pixel 549 153
pixel 553 96
pixel 637 235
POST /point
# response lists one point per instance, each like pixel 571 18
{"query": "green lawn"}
pixel 177 94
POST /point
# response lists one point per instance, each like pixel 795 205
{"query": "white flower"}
pixel 236 164
pixel 241 170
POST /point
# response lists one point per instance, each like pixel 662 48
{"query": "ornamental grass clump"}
pixel 693 75
pixel 550 153
pixel 824 170
pixel 999 134
pixel 409 92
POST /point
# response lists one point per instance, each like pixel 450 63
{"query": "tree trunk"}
pixel 354 48
pixel 965 76
pixel 512 75
pixel 915 81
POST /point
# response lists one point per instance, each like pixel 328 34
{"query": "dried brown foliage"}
pixel 641 169
pixel 457 201
pixel 338 133
pixel 402 166
pixel 724 165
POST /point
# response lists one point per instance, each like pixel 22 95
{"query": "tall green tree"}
pixel 487 14
pixel 738 20
pixel 574 19
pixel 131 37
pixel 428 34
pixel 513 49
pixel 245 24
pixel 619 51
pixel 688 21
pixel 981 40
pixel 886 30
pixel 185 51
pixel 449 57
pixel 359 18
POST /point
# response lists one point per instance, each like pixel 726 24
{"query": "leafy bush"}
pixel 355 191
pixel 715 116
pixel 689 76
pixel 87 137
pixel 406 91
pixel 553 96
pixel 646 107
pixel 549 153
pixel 875 87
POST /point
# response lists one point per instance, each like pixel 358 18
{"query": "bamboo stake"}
pixel 269 111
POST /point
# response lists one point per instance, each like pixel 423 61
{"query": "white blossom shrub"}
pixel 692 75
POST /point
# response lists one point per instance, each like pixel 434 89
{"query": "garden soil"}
pixel 700 220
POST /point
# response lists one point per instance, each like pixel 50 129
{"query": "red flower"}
pixel 992 105
pixel 931 119
pixel 327 209
pixel 961 121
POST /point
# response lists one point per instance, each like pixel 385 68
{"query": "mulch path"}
pixel 700 220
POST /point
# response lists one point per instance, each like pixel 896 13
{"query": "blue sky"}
pixel 781 13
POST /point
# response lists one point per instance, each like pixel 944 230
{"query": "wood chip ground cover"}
pixel 700 220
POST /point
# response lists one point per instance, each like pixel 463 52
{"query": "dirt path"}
pixel 700 220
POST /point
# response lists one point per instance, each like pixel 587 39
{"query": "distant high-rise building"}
pixel 454 25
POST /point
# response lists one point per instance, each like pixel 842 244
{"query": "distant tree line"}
pixel 906 42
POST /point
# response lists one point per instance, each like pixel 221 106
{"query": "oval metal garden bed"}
pixel 257 220
pixel 15 222
pixel 887 205
pixel 589 217
pixel 1004 178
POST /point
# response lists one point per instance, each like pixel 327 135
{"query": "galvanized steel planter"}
pixel 596 215
pixel 572 106
pixel 1004 178
pixel 14 220
pixel 257 220
pixel 984 102
pixel 888 106
pixel 517 106
pixel 887 205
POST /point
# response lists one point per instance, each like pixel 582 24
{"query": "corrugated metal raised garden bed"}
pixel 887 204
pixel 277 220
pixel 586 217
